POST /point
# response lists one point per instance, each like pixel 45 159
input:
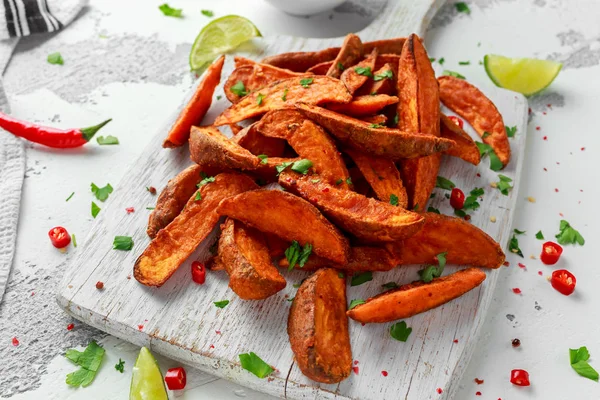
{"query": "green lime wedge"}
pixel 220 36
pixel 147 381
pixel 524 75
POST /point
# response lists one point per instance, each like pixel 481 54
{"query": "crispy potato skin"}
pixel 418 111
pixel 318 328
pixel 278 212
pixel 361 258
pixel 350 54
pixel 244 254
pixel 323 89
pixel 478 110
pixel 352 79
pixel 174 244
pixel 362 106
pixel 256 143
pixel 390 143
pixel 438 235
pixel 382 175
pixel 416 297
pixel 365 218
pixel 465 147
pixel 174 196
pixel 254 76
pixel 197 107
pixel 208 146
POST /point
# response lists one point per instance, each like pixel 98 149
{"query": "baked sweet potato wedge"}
pixel 174 197
pixel 439 234
pixel 418 111
pixel 266 170
pixel 279 213
pixel 479 111
pixel 382 175
pixel 392 59
pixel 386 142
pixel 256 143
pixel 318 328
pixel 320 68
pixel 465 147
pixel 174 244
pixel 384 82
pixel 417 297
pixel 284 94
pixel 357 75
pixel 361 258
pixel 208 146
pixel 280 123
pixel 365 218
pixel 254 76
pixel 244 254
pixel 378 119
pixel 362 106
pixel 350 53
pixel 197 107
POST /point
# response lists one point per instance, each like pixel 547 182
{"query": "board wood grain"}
pixel 180 321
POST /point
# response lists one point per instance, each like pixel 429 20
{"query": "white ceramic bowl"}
pixel 305 7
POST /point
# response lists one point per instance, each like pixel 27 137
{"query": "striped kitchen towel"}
pixel 26 17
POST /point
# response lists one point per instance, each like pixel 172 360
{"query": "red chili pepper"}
pixel 457 199
pixel 59 237
pixel 175 378
pixel 48 136
pixel 457 121
pixel 551 253
pixel 198 272
pixel 519 377
pixel 563 281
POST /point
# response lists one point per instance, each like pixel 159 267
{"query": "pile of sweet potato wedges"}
pixel 354 136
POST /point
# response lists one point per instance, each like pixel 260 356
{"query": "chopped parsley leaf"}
pixel 434 210
pixel 441 61
pixel 388 74
pixel 355 303
pixel 340 66
pixel 120 366
pixel 301 166
pixel 169 11
pixel 462 7
pixel 376 126
pixel 486 149
pixel 396 119
pixel 341 275
pixel 454 74
pixel 284 96
pixel 518 232
pixel 390 285
pixel 56 59
pixel 569 235
pixel 539 235
pixel 393 199
pixel 433 271
pixel 431 59
pixel 579 362
pixel 221 304
pixel 471 202
pixel 259 98
pixel 400 331
pixel 254 364
pixel 296 254
pixel 363 277
pixel 103 141
pixel 206 179
pixel 510 130
pixel 208 13
pixel 504 184
pixel 70 196
pixel 95 209
pixel 464 63
pixel 239 89
pixel 315 180
pixel 513 246
pixel 123 243
pixel 282 166
pixel 89 360
pixel 219 97
pixel 339 181
pixel 364 71
pixel 263 158
pixel 485 134
pixel 150 208
pixel 416 208
pixel 444 183
pixel 102 193
pixel 306 82
pixel 198 196
pixel 349 181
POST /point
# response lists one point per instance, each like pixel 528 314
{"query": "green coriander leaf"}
pixel 485 134
pixel 484 149
pixel 462 7
pixel 441 61
pixel 263 158
pixel 586 370
pixel 259 98
pixel 292 254
pixel 390 285
pixel 388 74
pixel 150 208
pixel 239 89
pixel 580 354
pixel 459 213
pixel 89 360
pixel 568 234
pixel 169 11
pixel 431 59
pixel 221 304
pixel 511 130
pixel 95 209
pixel 103 141
pixel 464 63
pixel 254 364
pixel 219 97
pixel 304 254
pixel 365 71
pixel 123 243
pixel 70 196
pixel 444 183
pixel 396 119
pixel 291 299
pixel 434 210
pixel 376 126
pixel 393 199
pixel 427 274
pixel 495 163
pixel 315 180
pixel 306 82
pixel 296 285
pixel 56 59
pixel 454 74
pixel 284 96
pixel 120 366
pixel 282 166
pixel 301 166
pixel 400 331
pixel 503 184
pixel 81 377
pixel 539 235
pixel 341 275
pixel 74 240
pixel 198 196
pixel 206 179
pixel 513 246
pixel 355 303
pixel 208 13
pixel 518 232
pixel 340 66
pixel 416 208
pixel 441 260
pixel 339 181
pixel 102 193
pixel 349 181
pixel 363 277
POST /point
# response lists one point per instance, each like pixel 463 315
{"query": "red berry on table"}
pixel 99 285
pixel 563 281
pixel 516 343
pixel 457 199
pixel 519 377
pixel 550 253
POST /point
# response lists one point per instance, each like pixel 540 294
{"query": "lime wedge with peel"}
pixel 524 75
pixel 220 36
pixel 147 381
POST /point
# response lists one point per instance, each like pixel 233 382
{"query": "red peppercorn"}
pixel 516 343
pixel 550 253
pixel 198 272
pixel 175 378
pixel 99 285
pixel 384 373
pixel 519 377
pixel 457 199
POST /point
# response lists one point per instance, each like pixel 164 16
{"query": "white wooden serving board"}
pixel 180 321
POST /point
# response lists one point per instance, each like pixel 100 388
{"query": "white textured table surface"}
pixel 127 61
